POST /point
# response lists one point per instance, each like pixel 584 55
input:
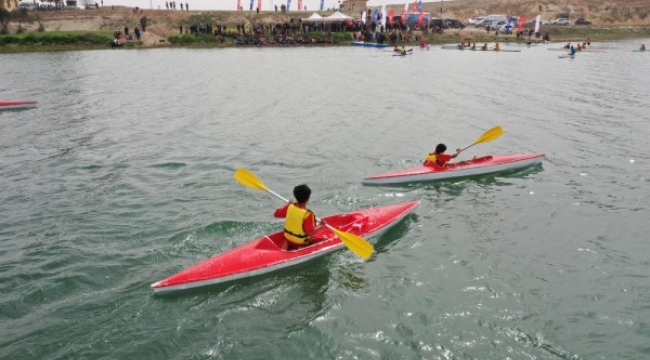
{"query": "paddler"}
pixel 439 157
pixel 485 47
pixel 642 48
pixel 402 50
pixel 572 52
pixel 496 47
pixel 300 223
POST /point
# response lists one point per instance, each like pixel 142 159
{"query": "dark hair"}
pixel 441 148
pixel 301 193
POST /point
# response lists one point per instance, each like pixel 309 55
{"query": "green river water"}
pixel 124 175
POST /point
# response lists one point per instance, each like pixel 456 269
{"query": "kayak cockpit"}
pixel 345 222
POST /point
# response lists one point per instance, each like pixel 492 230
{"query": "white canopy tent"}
pixel 315 18
pixel 337 16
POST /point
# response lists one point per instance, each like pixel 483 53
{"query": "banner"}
pixel 259 5
pixel 404 13
pixel 252 1
pixel 363 17
pixel 375 15
pixel 521 23
pixel 420 19
pixel 322 3
pixel 391 14
pixel 299 5
pixel 415 5
pixel 420 5
pixel 288 5
pixel 537 20
pixel 382 21
pixel 238 5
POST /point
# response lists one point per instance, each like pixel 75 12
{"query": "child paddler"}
pixel 300 223
pixel 439 157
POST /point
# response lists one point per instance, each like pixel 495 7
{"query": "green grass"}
pixel 58 38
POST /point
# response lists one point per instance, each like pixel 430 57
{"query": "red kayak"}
pixel 479 166
pixel 265 254
pixel 17 105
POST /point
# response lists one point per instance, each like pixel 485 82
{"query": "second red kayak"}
pixel 479 166
pixel 265 254
pixel 17 105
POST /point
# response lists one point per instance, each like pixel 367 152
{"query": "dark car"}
pixel 453 24
pixel 583 21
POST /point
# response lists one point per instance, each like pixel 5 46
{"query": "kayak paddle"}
pixel 355 243
pixel 488 136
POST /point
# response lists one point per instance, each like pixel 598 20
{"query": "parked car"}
pixel 561 21
pixel 452 24
pixel 583 21
pixel 505 28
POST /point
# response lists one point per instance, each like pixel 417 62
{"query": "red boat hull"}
pixel 480 166
pixel 17 105
pixel 265 255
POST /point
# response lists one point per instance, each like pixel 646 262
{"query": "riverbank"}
pixel 93 29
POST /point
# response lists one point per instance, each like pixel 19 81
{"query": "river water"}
pixel 123 176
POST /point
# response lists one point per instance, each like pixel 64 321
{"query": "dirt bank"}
pixel 612 14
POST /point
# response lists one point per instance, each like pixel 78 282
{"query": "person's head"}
pixel 441 148
pixel 302 193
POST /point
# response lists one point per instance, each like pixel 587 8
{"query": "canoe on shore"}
pixel 265 254
pixel 17 105
pixel 478 166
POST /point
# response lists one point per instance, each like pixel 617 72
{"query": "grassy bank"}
pixel 55 41
pixel 87 40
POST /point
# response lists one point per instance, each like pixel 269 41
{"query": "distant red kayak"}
pixel 265 254
pixel 483 165
pixel 17 105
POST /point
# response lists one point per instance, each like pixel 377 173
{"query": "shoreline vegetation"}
pixel 69 30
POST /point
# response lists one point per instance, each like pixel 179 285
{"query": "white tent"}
pixel 314 17
pixel 337 16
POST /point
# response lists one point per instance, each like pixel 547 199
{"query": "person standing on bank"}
pixel 300 223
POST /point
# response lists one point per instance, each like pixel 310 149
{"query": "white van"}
pixel 492 19
pixel 27 5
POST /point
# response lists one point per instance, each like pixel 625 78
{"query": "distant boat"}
pixel 478 48
pixel 368 44
pixel 17 105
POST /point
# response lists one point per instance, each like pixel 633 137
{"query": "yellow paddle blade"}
pixel 490 135
pixel 355 243
pixel 249 179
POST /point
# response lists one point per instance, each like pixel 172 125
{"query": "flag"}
pixel 420 5
pixel 363 17
pixel 259 4
pixel 299 5
pixel 521 23
pixel 252 1
pixel 420 19
pixel 288 4
pixel 537 20
pixel 390 17
pixel 375 15
pixel 404 13
pixel 238 5
pixel 382 21
pixel 415 5
pixel 322 3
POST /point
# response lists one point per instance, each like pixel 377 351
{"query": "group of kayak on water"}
pixel 573 50
pixel 301 224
